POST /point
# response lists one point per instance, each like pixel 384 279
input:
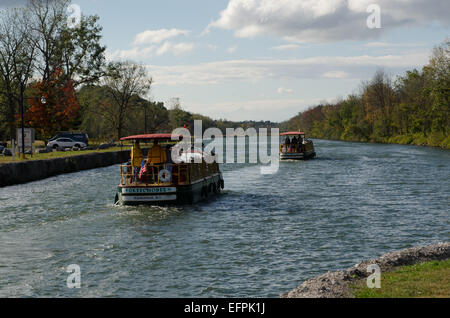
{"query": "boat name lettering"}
pixel 148 190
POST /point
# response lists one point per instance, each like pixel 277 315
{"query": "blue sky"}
pixel 266 59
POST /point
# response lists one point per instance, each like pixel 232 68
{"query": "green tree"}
pixel 123 81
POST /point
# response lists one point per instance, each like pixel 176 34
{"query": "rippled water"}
pixel 263 236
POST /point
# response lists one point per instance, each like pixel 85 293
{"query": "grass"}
pixel 57 154
pixel 427 280
pixel 63 154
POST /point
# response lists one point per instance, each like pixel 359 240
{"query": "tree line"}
pixel 56 72
pixel 412 109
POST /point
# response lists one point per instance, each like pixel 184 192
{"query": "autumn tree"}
pixel 54 106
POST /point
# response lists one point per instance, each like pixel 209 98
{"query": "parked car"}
pixel 81 137
pixel 66 143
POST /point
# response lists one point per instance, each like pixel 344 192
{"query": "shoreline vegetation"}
pixel 418 268
pixel 414 109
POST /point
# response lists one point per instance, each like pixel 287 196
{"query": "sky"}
pixel 267 59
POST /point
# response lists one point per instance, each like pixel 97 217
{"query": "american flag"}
pixel 143 170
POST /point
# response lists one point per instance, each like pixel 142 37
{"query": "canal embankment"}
pixel 27 171
pixel 338 284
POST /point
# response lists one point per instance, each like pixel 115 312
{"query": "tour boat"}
pixel 190 177
pixel 295 146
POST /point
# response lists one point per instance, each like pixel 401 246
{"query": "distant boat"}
pixel 295 146
pixel 194 176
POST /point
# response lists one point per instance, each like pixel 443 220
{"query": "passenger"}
pixel 287 144
pixel 168 166
pixel 136 159
pixel 294 143
pixel 169 153
pixel 300 143
pixel 287 141
pixel 156 154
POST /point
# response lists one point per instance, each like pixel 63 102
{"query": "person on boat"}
pixel 287 144
pixel 136 159
pixel 294 143
pixel 287 141
pixel 156 154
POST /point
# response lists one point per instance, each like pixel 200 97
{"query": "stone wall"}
pixel 27 171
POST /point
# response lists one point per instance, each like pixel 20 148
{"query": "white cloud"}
pixel 175 49
pixel 282 90
pixel 286 47
pixel 337 67
pixel 392 45
pixel 325 20
pixel 212 47
pixel 158 36
pixel 135 53
pixel 377 44
pixel 335 74
pixel 232 49
pixel 138 53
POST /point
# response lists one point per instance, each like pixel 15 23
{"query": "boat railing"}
pixel 307 145
pixel 179 174
pixel 291 148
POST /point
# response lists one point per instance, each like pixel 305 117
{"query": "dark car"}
pixel 82 137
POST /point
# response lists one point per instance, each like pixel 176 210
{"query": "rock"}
pixel 45 150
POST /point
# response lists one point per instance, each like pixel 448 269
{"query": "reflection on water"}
pixel 261 237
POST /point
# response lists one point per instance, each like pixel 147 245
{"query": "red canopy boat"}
pixel 191 176
pixel 295 146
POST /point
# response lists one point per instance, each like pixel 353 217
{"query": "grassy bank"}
pixel 430 279
pixel 56 154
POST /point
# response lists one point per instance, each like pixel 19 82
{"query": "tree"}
pixel 123 81
pixel 54 106
pixel 438 88
pixel 17 57
pixel 76 50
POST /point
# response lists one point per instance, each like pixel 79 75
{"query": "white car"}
pixel 65 143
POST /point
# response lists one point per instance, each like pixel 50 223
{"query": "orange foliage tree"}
pixel 53 105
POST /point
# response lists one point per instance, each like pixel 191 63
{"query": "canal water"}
pixel 263 236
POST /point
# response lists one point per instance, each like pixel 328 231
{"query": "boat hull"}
pixel 171 194
pixel 297 155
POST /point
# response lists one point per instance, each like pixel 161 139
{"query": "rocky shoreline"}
pixel 335 284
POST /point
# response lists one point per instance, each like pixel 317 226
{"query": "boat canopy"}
pixel 292 133
pixel 153 136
